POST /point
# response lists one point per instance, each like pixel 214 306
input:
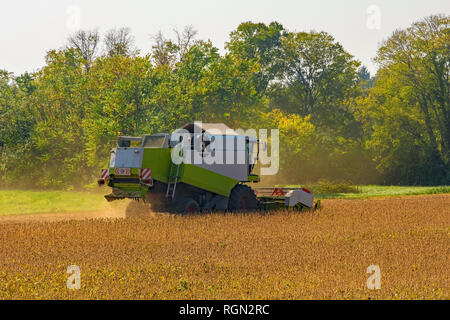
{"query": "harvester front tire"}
pixel 242 198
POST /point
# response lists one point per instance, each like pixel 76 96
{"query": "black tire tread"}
pixel 239 191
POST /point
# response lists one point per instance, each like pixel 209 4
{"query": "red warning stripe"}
pixel 146 174
pixel 278 192
pixel 105 173
pixel 306 190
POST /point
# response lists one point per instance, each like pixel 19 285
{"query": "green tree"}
pixel 406 115
pixel 319 77
pixel 259 43
pixel 59 110
pixel 16 125
pixel 119 90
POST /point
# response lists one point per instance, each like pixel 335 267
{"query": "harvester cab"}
pixel 198 168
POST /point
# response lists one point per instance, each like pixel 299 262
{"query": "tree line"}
pixel 336 121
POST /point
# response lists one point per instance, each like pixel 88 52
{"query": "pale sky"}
pixel 29 28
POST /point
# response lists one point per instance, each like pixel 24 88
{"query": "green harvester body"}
pixel 146 172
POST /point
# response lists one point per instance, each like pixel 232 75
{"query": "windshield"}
pixel 155 141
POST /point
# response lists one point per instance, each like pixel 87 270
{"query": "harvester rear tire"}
pixel 190 207
pixel 186 206
pixel 242 198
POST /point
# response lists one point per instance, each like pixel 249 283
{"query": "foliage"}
pixel 328 187
pixel 406 115
pixel 58 124
pixel 261 44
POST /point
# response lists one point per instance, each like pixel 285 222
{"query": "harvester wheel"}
pixel 189 206
pixel 242 198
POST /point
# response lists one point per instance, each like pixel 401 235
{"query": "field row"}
pixel 14 202
pixel 281 255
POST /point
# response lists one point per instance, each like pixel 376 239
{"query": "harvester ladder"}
pixel 172 180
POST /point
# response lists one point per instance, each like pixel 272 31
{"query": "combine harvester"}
pixel 143 169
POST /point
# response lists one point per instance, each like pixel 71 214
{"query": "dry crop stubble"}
pixel 279 255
